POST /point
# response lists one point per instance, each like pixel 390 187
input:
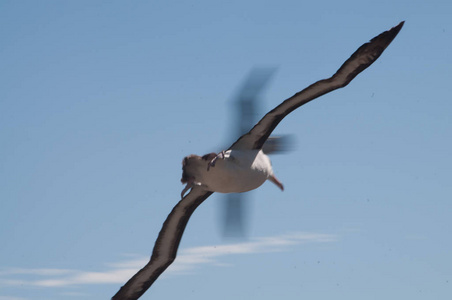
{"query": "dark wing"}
pixel 358 62
pixel 165 248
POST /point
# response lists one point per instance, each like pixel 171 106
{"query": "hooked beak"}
pixel 188 186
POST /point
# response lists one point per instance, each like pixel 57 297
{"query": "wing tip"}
pixel 388 36
pixel 400 25
pixel 395 30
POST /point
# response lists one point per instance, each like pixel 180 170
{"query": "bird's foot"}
pixel 214 160
pixel 275 180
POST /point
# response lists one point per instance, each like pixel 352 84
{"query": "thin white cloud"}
pixel 187 260
pixel 40 272
pixel 192 257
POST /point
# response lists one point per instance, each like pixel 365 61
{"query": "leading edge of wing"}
pixel 358 62
pixel 166 245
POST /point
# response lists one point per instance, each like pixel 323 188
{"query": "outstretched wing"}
pixel 358 62
pixel 165 248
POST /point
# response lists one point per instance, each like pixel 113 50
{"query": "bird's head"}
pixel 192 166
pixel 189 163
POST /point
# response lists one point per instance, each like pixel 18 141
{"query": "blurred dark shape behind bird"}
pixel 235 206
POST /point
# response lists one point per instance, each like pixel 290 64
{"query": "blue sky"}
pixel 101 100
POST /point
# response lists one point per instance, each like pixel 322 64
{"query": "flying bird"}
pixel 242 167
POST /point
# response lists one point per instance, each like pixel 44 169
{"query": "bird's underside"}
pixel 231 171
pixel 210 172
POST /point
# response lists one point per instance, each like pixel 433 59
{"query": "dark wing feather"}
pixel 358 62
pixel 165 248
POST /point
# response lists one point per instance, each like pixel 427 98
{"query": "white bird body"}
pixel 239 171
pixel 231 171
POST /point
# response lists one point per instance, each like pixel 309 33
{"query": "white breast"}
pixel 240 171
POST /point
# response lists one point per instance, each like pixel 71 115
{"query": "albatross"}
pixel 242 167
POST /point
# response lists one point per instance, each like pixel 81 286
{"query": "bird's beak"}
pixel 188 186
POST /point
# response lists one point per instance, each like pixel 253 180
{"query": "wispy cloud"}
pixel 193 257
pixel 187 260
pixel 11 298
